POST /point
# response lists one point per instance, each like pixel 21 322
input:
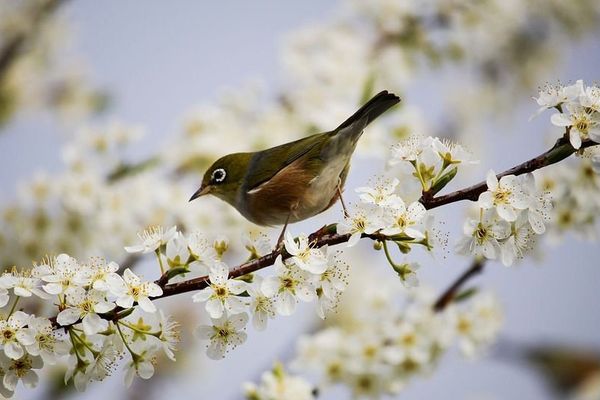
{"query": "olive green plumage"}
pixel 295 180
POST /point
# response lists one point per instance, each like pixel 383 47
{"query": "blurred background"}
pixel 110 111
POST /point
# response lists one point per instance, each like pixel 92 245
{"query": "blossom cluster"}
pixel 511 212
pixel 575 191
pixel 380 347
pixel 433 161
pixel 96 321
pixel 578 110
pixel 309 274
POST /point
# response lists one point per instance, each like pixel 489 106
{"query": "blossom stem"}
pixel 118 324
pixel 133 328
pixel 388 255
pixel 83 342
pixel 160 263
pixel 14 306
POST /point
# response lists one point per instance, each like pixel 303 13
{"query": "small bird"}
pixel 296 180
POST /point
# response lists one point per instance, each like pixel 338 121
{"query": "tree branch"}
pixel 327 236
pixel 15 45
pixel 561 150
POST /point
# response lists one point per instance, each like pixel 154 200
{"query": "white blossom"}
pixel 506 196
pixel 221 294
pixel 403 220
pixel 202 251
pixel 21 369
pixel 62 274
pixel 131 288
pixel 141 365
pixel 15 336
pixel 169 335
pixel 278 385
pixel 289 285
pixel 365 218
pixel 261 306
pixel 151 239
pixel 482 236
pixel 555 96
pixel 47 342
pixel 304 256
pixel 86 306
pixel 22 283
pixel 582 122
pixel 224 334
pixel 382 194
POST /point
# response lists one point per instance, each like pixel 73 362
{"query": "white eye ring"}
pixel 218 175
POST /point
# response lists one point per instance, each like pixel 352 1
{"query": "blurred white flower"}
pixel 382 194
pixel 279 385
pixel 406 343
pixel 258 244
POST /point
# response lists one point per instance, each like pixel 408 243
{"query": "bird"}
pixel 296 180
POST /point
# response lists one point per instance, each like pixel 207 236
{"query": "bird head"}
pixel 224 178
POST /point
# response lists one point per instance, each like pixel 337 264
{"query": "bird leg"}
pixel 281 235
pixel 339 190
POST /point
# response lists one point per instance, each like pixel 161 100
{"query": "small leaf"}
pixel 442 181
pixel 173 272
pixel 465 294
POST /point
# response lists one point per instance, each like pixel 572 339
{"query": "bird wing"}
pixel 267 163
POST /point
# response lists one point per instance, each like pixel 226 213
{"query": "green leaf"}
pixel 173 272
pixel 465 294
pixel 442 181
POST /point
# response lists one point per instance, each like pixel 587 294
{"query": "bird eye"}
pixel 218 175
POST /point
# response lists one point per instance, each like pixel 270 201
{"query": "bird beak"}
pixel 201 192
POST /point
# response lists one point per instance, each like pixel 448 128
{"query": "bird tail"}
pixel 372 109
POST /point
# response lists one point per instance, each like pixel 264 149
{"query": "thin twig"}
pixel 450 294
